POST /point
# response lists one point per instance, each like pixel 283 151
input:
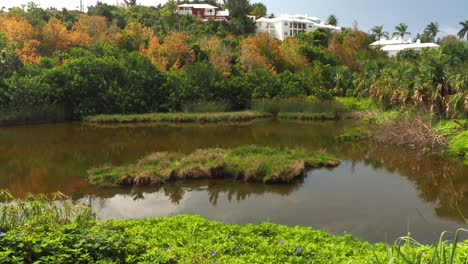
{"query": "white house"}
pixel 393 41
pixel 393 50
pixel 289 26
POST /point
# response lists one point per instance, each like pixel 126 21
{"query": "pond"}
pixel 378 193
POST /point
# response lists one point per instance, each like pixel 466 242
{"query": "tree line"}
pixel 136 59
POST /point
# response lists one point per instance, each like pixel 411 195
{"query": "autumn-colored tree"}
pixel 153 51
pixel 341 52
pixel 353 50
pixel 173 54
pixel 259 52
pixel 79 39
pixel 291 58
pixel 114 36
pixel 29 52
pixel 94 26
pixel 219 54
pixel 17 29
pixel 55 35
pixel 135 35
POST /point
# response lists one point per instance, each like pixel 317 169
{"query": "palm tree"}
pixel 332 20
pixel 378 32
pixel 401 31
pixel 432 29
pixel 464 31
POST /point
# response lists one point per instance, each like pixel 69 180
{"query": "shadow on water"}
pixel 375 187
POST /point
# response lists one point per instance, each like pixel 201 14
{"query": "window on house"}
pixel 285 33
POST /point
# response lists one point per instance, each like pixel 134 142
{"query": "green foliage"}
pixel 357 104
pixel 193 239
pixel 459 144
pixel 408 54
pixel 328 108
pixel 354 134
pixel 205 107
pixel 249 163
pixel 37 210
pixel 105 77
pixel 318 38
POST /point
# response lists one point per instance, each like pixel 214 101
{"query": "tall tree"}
pixel 464 30
pixel 332 20
pixel 55 35
pixel 432 30
pixel 238 8
pixel 401 30
pixel 378 32
pixel 259 10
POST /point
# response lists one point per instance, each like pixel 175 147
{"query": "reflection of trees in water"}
pixel 233 189
pixel 175 191
pixel 438 179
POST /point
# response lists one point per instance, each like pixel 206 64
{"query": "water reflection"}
pixel 375 193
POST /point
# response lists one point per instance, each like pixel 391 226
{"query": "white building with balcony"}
pixel 290 26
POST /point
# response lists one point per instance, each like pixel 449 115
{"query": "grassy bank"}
pixel 456 132
pixel 177 117
pixel 251 163
pixel 193 239
pixel 292 108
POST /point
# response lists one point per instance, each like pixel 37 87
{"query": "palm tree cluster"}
pixel 433 79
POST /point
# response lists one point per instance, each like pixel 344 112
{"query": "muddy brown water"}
pixel 378 193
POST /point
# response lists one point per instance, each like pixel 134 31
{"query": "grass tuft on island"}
pixel 177 117
pixel 249 163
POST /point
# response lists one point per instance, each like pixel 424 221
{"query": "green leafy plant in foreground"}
pixel 40 210
pixel 193 239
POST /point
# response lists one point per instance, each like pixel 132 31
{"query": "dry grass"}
pixel 414 132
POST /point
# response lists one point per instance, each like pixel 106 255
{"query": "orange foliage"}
pixel 17 29
pixel 259 51
pixel 114 36
pixel 342 53
pixel 173 54
pixel 354 49
pixel 94 26
pixel 153 51
pixel 79 39
pixel 56 35
pixel 28 53
pixel 219 54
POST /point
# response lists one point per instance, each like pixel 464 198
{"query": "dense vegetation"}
pixel 251 163
pixel 178 117
pixel 76 237
pixel 58 65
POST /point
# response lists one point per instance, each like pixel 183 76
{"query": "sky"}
pixel 368 13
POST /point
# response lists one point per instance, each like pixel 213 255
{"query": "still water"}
pixel 378 192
